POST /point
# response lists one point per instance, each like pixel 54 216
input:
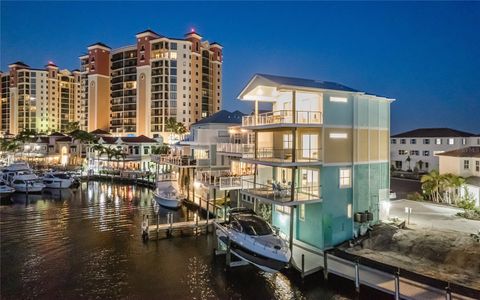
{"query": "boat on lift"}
pixel 253 240
pixel 168 196
pixel 57 180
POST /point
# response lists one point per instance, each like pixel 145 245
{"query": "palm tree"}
pixel 100 149
pixel 452 183
pixel 72 126
pixel 180 129
pixel 10 147
pixel 432 184
pixel 119 154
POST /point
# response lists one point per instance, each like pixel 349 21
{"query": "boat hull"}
pixel 264 263
pixel 57 184
pixel 31 189
pixel 166 202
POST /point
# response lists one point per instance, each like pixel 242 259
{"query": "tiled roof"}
pixel 99 131
pixel 55 133
pixel 463 152
pixel 21 63
pixel 64 139
pixel 223 117
pixel 128 139
pixel 99 44
pixel 149 30
pixel 433 132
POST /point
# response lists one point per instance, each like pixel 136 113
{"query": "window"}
pixel 403 141
pixel 426 141
pixel 426 153
pixel 345 178
pixel 301 212
pixel 414 152
pixel 464 141
pixel 402 152
pixel 338 99
pixel 413 141
pixel 338 135
pixel 426 165
pixel 466 164
pixel 393 141
pixel 438 141
pixel 477 166
pixel 450 141
pixel 287 141
pixel 282 209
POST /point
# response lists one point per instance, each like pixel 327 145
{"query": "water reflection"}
pixel 86 243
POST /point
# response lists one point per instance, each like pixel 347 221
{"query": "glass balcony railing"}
pixel 286 155
pixel 235 148
pixel 224 180
pixel 283 117
pixel 181 161
pixel 282 192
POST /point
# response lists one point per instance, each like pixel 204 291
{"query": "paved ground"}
pixel 430 215
pixel 402 187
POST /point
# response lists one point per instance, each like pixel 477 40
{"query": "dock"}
pixel 176 229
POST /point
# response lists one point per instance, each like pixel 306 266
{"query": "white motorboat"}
pixel 5 190
pixel 167 196
pixel 253 240
pixel 57 180
pixel 27 183
pixel 15 169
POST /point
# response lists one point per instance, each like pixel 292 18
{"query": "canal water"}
pixel 86 243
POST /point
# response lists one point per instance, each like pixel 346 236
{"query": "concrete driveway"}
pixel 435 216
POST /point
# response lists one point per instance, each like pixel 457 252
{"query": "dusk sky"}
pixel 424 55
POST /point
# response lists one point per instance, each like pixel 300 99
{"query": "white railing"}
pixel 283 117
pixel 222 179
pixel 235 148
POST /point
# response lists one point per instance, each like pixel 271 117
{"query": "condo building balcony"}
pixel 235 149
pixel 284 185
pixel 183 161
pixel 222 179
pixel 283 118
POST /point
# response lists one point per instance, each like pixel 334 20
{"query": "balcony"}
pixel 182 161
pixel 222 180
pixel 283 118
pixel 236 149
pixel 278 193
pixel 272 156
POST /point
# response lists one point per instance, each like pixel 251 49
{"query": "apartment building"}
pixel 39 99
pixel 419 148
pixel 319 158
pixel 144 84
pixel 464 162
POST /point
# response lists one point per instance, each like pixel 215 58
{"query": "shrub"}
pixel 415 196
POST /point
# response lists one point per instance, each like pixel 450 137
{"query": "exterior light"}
pixel 197 184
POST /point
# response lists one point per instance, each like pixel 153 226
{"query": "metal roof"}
pixel 433 132
pixel 223 117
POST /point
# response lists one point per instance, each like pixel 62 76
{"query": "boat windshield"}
pixel 254 225
pixel 62 176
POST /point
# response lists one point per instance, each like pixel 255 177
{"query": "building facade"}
pixel 319 157
pixel 144 84
pixel 464 162
pixel 39 99
pixel 418 149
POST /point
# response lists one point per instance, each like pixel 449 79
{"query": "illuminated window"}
pixel 287 141
pixel 338 135
pixel 173 55
pixel 450 141
pixel 438 141
pixel 345 177
pixel 338 99
pixel 282 209
pixel 466 164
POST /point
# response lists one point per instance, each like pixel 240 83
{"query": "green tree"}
pixel 432 184
pixel 452 184
pixel 72 126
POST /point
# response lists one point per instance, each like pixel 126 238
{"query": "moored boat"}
pixel 5 190
pixel 253 240
pixel 168 197
pixel 57 180
pixel 27 183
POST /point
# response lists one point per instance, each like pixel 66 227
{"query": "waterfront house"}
pixel 417 150
pixel 464 162
pixel 319 156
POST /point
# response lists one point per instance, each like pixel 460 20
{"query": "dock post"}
pixel 325 265
pixel 158 221
pixel 208 210
pixel 357 277
pixel 303 265
pixel 397 285
pixel 170 221
pixel 448 292
pixel 228 256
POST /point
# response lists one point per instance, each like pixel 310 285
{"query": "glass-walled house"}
pixel 319 156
